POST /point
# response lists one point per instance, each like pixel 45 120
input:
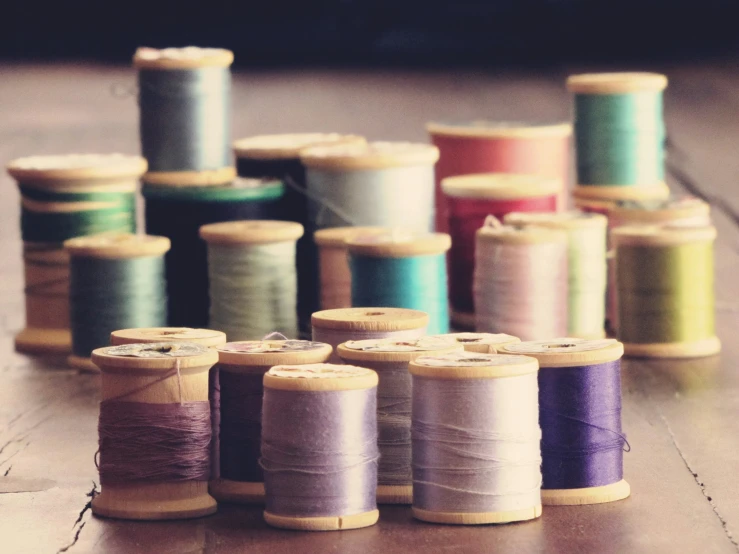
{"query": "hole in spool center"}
pixel 475 360
pixel 163 349
pixel 373 313
pixel 561 345
pixel 469 340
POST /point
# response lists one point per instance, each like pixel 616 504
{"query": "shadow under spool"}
pixel 236 401
pixel 482 343
pixel 205 337
pixel 155 374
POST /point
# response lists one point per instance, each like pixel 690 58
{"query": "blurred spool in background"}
pixel 144 335
pixel 484 343
pixel 602 199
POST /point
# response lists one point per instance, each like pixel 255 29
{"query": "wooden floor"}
pixel 682 417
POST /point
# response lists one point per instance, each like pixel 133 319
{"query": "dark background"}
pixel 376 32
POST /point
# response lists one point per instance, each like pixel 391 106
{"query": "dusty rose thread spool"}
pixel 389 358
pixel 160 478
pixel 236 407
pixel 482 343
pixel 206 337
pixel 319 447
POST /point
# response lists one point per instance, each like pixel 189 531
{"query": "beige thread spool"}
pixel 482 343
pixel 255 358
pixel 386 357
pixel 137 376
pixel 206 337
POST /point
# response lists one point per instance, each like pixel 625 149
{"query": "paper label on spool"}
pixel 157 350
pixel 268 346
pixel 471 359
pixel 559 345
pixel 400 345
pixel 319 371
pixel 482 338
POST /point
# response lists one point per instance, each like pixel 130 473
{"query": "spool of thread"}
pixel 184 114
pixel 342 325
pixel 390 358
pixel 251 269
pixel 402 270
pixel 278 156
pixel 335 277
pixel 521 281
pixel 665 293
pixel 371 184
pixel 319 447
pixel 602 199
pixel 116 282
pixel 482 343
pixel 586 252
pixel 500 147
pixel 475 429
pixel 582 442
pixel 206 337
pixel 64 197
pixel 154 457
pixel 236 407
pixel 471 199
pixel 178 212
pixel 619 128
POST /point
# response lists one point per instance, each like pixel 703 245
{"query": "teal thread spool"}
pixel 619 128
pixel 116 282
pixel 402 269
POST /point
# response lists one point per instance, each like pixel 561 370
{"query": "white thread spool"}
pixel 483 343
pixel 206 337
pixel 492 402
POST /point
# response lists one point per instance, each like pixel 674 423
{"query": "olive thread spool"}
pixel 389 359
pixel 586 253
pixel 470 200
pixel 253 285
pixel 206 337
pixel 236 401
pixel 320 416
pixel 482 343
pixel 64 197
pixel 157 376
pixel 665 280
pixel 184 114
pixel 341 325
pixel 178 211
pixel 484 146
pixel 402 270
pixel 580 417
pixel 116 281
pixel 475 430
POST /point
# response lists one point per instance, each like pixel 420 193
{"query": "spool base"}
pixel 329 523
pixel 477 518
pixel 394 494
pixel 83 364
pixel 191 178
pixel 589 495
pixel 240 492
pixel 44 341
pixel 696 349
pixel 463 320
pixel 106 505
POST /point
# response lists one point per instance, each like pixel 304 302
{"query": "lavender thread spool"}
pixel 145 335
pixel 580 417
pixel 342 325
pixel 319 447
pixel 390 358
pixel 482 343
pixel 476 439
pixel 236 407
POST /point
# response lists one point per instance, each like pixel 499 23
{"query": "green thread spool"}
pixel 665 295
pixel 619 128
pixel 586 253
pixel 116 282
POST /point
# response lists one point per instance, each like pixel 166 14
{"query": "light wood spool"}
pixel 206 337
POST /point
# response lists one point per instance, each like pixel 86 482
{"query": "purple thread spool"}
pixel 236 399
pixel 319 447
pixel 580 418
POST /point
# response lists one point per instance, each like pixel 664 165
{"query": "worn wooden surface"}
pixel 681 417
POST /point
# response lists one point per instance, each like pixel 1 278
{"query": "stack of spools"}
pixel 65 197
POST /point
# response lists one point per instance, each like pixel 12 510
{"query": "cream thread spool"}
pixel 342 325
pixel 389 358
pixel 237 477
pixel 483 408
pixel 315 394
pixel 206 337
pixel 157 373
pixel 482 343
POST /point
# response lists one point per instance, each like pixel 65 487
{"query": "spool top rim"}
pixel 653 211
pixel 154 356
pixel 668 234
pixel 337 236
pixel 370 319
pixel 288 146
pixel 616 83
pixel 273 352
pixel 500 186
pixel 568 352
pixel 76 167
pixel 396 350
pixel 117 245
pixel 398 243
pixel 492 339
pixel 482 129
pixel 471 365
pixel 187 57
pixel 527 234
pixel 571 219
pixel 370 155
pixel 320 377
pixel 207 337
pixel 261 231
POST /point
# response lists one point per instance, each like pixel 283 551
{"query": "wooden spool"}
pixel 122 373
pixel 288 146
pixel 482 343
pixel 318 378
pixel 257 357
pixel 381 354
pixel 602 199
pixel 206 337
